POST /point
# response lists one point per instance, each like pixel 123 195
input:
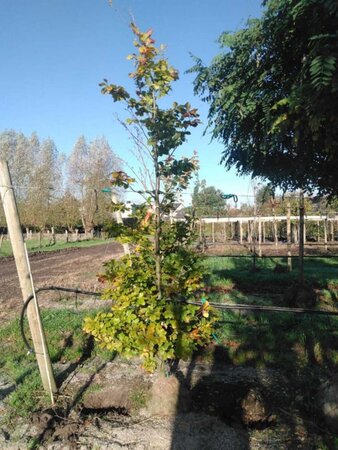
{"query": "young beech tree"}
pixel 148 316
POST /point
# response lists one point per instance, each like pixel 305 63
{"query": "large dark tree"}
pixel 273 94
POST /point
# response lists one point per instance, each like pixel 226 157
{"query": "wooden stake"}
pixel 240 232
pixel 288 236
pixel 295 233
pixel 301 238
pixel 249 232
pixel 325 232
pixel 275 231
pixel 19 252
pixel 232 226
pixel 263 228
pixel 259 237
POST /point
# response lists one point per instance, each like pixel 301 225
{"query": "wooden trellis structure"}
pixel 250 228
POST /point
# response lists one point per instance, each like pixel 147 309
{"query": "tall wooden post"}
pixel 240 232
pixel 288 236
pixel 22 265
pixel 259 236
pixel 325 232
pixel 301 239
pixel 213 231
pixel 249 232
pixel 295 233
pixel 263 228
pixel 318 231
pixel 275 232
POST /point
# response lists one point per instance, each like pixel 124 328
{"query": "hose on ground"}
pixel 220 306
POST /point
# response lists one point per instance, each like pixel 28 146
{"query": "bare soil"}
pixel 74 268
pixel 115 405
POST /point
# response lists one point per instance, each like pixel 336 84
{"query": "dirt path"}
pixel 77 267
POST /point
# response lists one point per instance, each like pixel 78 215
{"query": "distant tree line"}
pixel 208 201
pixel 53 189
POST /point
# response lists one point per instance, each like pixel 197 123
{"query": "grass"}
pixel 234 276
pixel 34 245
pixel 66 343
pixel 265 339
pixel 305 348
pixel 139 398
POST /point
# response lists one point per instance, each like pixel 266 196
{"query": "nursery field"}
pixel 273 337
pixel 279 360
pixel 68 267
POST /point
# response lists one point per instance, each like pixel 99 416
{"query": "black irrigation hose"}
pixel 47 288
pixel 250 255
pixel 214 305
pixel 282 309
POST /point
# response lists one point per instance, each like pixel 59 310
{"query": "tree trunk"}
pixel 157 246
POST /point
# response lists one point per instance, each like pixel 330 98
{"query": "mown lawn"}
pixel 67 343
pixel 305 347
pixel 266 285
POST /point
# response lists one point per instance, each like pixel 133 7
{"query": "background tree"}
pixel 273 94
pixel 35 169
pixel 89 169
pixel 54 191
pixel 207 201
pixel 67 212
pixel 45 184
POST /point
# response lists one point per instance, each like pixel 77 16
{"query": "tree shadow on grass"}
pixel 261 385
pixel 304 351
pixel 319 273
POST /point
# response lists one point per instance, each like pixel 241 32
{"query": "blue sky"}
pixel 55 52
